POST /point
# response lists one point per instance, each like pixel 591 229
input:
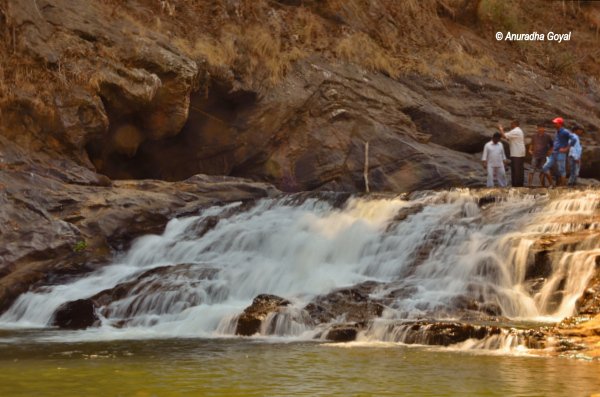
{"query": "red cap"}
pixel 558 120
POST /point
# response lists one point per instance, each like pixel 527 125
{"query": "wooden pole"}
pixel 366 170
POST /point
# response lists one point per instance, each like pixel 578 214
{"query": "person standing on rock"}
pixel 562 143
pixel 575 155
pixel 493 159
pixel 540 149
pixel 516 142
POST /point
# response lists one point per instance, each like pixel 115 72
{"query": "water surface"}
pixel 257 367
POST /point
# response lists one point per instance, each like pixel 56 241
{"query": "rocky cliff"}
pixel 95 94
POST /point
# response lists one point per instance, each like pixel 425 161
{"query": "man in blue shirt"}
pixel 562 143
pixel 575 155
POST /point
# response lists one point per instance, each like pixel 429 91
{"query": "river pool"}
pixel 38 363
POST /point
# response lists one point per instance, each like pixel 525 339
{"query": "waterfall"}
pixel 432 255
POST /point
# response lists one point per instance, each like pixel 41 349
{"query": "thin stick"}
pixel 366 171
pixel 207 114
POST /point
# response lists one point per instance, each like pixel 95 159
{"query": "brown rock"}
pixel 58 214
pixel 439 333
pixel 589 302
pixel 353 303
pixel 147 287
pixel 158 291
pixel 79 314
pixel 250 320
pixel 342 333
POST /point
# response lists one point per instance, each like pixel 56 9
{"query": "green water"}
pixel 246 367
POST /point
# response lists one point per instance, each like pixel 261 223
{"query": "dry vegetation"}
pixel 361 49
pixel 259 40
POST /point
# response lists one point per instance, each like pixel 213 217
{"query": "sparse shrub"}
pixel 80 246
pixel 560 63
pixel 500 14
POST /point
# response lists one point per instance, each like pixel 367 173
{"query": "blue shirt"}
pixel 576 149
pixel 562 139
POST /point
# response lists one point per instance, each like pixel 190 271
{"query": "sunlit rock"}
pixel 249 322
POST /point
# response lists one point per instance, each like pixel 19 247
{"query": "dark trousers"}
pixel 517 171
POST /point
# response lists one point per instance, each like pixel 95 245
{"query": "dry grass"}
pixel 359 48
pixel 502 14
pixel 460 63
pixel 255 52
pixel 262 53
pixel 309 31
pixel 259 40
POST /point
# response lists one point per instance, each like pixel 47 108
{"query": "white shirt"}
pixel 576 149
pixel 493 153
pixel 516 142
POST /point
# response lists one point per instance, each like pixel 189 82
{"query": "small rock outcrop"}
pixel 79 314
pixel 342 332
pixel 250 321
pixel 589 302
pixel 155 291
pixel 441 333
pixel 353 304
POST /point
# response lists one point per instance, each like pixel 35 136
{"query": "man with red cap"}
pixel 562 143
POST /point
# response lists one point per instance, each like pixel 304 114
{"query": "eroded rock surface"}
pixel 158 291
pixel 131 102
pixel 63 219
pixel 589 302
pixel 250 321
pixel 348 304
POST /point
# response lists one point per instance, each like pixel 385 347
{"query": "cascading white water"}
pixel 437 248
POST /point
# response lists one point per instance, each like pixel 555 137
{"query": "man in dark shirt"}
pixel 540 148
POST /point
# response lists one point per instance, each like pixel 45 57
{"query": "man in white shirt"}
pixel 493 159
pixel 516 145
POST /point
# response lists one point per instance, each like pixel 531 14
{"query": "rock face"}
pixel 250 320
pixel 589 302
pixel 62 219
pixel 578 337
pixel 133 96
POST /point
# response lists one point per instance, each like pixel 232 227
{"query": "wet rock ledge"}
pixel 60 221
